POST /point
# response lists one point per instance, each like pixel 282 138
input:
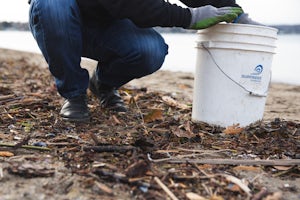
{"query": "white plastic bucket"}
pixel 233 73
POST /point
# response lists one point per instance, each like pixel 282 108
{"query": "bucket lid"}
pixel 244 29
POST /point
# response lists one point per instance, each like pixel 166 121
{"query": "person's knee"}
pixel 155 62
pixel 153 59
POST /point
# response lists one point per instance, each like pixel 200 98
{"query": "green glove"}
pixel 206 16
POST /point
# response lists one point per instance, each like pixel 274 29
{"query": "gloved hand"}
pixel 245 19
pixel 206 16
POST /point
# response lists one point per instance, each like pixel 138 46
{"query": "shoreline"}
pixel 283 99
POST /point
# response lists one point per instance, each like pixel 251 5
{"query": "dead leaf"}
pixel 216 197
pixel 188 127
pixel 185 131
pixel 234 129
pixel 116 120
pixel 131 99
pixel 182 133
pixel 137 169
pixel 154 114
pixel 6 154
pixel 205 166
pixel 183 86
pixel 172 102
pixel 247 168
pixel 283 168
pixel 234 188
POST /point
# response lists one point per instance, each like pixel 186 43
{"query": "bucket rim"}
pixel 245 25
pixel 228 46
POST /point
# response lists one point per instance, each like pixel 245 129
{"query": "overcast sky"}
pixel 264 11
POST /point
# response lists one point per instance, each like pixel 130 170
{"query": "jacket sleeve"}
pixel 144 13
pixel 216 3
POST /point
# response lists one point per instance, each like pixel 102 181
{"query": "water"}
pixel 285 67
pixel 182 53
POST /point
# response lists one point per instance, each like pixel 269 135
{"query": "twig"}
pixel 61 144
pixel 238 182
pixel 1 172
pixel 158 160
pixel 26 147
pixel 116 176
pixel 229 161
pixel 4 97
pixel 140 113
pixel 94 138
pixel 23 142
pixel 206 151
pixel 9 97
pixel 165 188
pixel 119 177
pixel 207 189
pixel 108 148
pixel 182 156
pixel 261 194
pixel 281 173
pixel 104 188
pixel 240 162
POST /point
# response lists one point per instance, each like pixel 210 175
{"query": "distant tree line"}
pixel 283 29
pixel 288 29
pixel 14 26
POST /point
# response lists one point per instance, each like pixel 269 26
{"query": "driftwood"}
pixel 237 162
pixel 108 148
pixel 165 188
pixel 25 147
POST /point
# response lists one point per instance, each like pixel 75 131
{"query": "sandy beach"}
pixel 122 156
pixel 283 100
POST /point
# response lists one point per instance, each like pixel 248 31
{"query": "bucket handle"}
pixel 238 84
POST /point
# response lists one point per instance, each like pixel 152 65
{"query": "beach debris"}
pixel 274 196
pixel 194 196
pixel 137 169
pixel 108 148
pixel 172 102
pixel 6 154
pixel 154 151
pixel 261 194
pixel 104 188
pixel 153 115
pixel 165 188
pixel 40 144
pixel 30 170
pixel 234 129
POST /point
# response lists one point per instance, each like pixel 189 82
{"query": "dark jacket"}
pixel 144 13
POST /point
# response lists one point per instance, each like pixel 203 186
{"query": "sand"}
pixel 283 100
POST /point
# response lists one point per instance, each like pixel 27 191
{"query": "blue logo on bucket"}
pixel 258 70
pixel 254 76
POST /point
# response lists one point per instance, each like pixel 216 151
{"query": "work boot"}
pixel 75 109
pixel 109 97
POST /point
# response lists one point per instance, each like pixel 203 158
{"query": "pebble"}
pixel 40 144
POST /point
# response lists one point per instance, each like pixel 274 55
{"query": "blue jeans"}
pixel 123 50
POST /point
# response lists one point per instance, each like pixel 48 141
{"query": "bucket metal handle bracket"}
pixel 257 94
